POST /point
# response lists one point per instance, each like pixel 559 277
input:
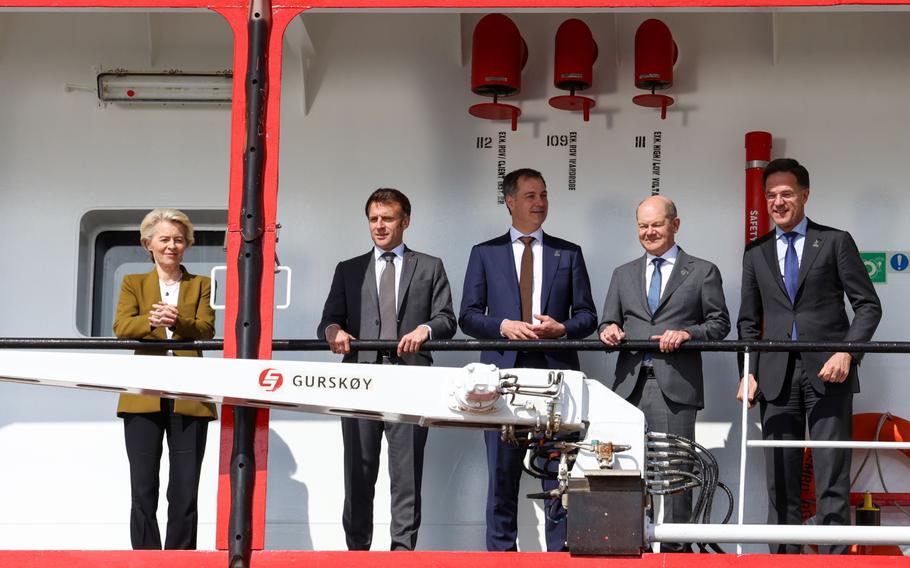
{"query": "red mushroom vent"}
pixel 655 55
pixel 576 52
pixel 498 55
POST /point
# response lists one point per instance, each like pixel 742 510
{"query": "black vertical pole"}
pixel 249 269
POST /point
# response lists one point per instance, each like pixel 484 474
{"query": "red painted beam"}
pixel 569 5
pixel 261 454
pixel 238 19
pixel 491 5
pixel 290 559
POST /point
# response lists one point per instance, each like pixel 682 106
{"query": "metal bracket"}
pixel 287 287
pixel 215 306
pixel 284 306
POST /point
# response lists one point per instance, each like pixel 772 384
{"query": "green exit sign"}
pixel 875 266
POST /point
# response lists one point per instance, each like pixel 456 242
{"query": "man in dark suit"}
pixel 396 293
pixel 794 281
pixel 670 296
pixel 524 285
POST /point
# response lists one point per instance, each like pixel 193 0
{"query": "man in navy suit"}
pixel 524 285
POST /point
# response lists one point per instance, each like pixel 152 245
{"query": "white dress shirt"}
pixel 381 266
pixel 518 248
pixel 666 268
pixel 798 243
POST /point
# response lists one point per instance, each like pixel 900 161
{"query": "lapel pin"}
pixel 815 244
pixel 556 253
pixel 684 272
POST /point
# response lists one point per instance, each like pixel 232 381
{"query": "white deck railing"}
pixel 742 533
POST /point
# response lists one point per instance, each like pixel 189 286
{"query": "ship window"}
pixel 109 250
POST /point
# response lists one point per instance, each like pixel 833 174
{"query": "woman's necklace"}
pixel 172 287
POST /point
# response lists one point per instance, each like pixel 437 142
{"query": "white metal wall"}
pixel 381 100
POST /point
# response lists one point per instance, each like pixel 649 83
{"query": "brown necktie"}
pixel 526 279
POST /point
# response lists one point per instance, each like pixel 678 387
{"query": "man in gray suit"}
pixel 394 293
pixel 794 281
pixel 670 296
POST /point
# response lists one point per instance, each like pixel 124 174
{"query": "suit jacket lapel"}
pixel 551 258
pixel 182 293
pixel 369 295
pixel 641 267
pixel 769 251
pixel 681 269
pixel 811 247
pixel 507 265
pixel 408 265
pixel 189 288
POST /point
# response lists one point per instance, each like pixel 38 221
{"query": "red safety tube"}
pixel 758 154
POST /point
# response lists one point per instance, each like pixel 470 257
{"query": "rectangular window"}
pixel 109 249
pixel 117 254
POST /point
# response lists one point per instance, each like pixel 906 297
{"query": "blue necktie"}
pixel 654 289
pixel 791 273
pixel 654 294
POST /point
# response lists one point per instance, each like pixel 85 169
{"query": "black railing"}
pixel 464 345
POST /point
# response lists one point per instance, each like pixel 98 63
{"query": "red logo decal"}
pixel 270 380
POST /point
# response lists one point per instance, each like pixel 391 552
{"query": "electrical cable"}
pixel 676 464
pixel 712 471
pixel 687 451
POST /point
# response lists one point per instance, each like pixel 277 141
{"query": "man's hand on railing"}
pixel 671 339
pixel 612 335
pixel 753 386
pixel 411 342
pixel 836 368
pixel 338 339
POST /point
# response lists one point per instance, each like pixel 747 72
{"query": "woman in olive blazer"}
pixel 165 303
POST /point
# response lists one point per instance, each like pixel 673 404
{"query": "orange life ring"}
pixel 894 429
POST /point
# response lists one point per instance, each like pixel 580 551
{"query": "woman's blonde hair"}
pixel 155 216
